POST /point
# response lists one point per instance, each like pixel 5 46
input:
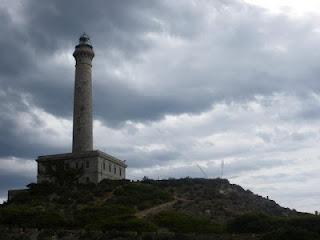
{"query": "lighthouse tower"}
pixel 94 165
pixel 82 111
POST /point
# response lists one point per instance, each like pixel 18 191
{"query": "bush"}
pixel 124 223
pixel 310 223
pixel 183 223
pixel 128 224
pixel 251 223
pixel 29 217
pixel 95 215
pixel 140 195
pixel 291 233
pixel 46 235
pixel 107 185
pixel 259 223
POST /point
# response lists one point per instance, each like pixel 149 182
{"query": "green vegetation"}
pixel 184 223
pixel 140 195
pixel 111 217
pixel 252 223
pixel 110 205
pixel 277 228
pixel 189 206
pixel 291 233
pixel 31 217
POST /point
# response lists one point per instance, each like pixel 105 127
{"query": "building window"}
pixel 104 166
pixel 114 170
pixel 87 164
pixel 87 179
pixel 109 167
pixel 77 166
pixel 120 171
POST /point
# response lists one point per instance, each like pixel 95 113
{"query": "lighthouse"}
pixel 94 165
pixel 82 111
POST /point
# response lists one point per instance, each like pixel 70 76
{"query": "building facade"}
pixel 95 166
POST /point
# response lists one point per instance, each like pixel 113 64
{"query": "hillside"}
pixel 164 209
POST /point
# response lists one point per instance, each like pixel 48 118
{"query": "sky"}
pixel 176 84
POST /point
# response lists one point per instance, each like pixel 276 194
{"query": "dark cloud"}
pixel 116 102
pixel 229 58
pixel 175 82
pixel 51 26
pixel 17 56
pixel 113 24
pixel 16 141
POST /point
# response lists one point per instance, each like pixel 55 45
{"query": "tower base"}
pixel 91 166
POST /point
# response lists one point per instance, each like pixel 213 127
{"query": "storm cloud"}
pixel 177 85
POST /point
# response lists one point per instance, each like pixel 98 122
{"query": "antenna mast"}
pixel 203 172
pixel 222 167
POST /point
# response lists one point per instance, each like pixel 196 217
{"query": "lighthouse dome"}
pixel 84 39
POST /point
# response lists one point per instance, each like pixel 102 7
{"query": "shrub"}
pixel 46 235
pixel 291 233
pixel 96 215
pixel 29 217
pixel 251 223
pixel 310 223
pixel 128 223
pixel 124 223
pixel 140 195
pixel 259 223
pixel 183 223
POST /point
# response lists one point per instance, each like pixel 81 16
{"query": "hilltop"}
pixel 150 209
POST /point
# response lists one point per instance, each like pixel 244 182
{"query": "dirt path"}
pixel 155 210
pixel 158 208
